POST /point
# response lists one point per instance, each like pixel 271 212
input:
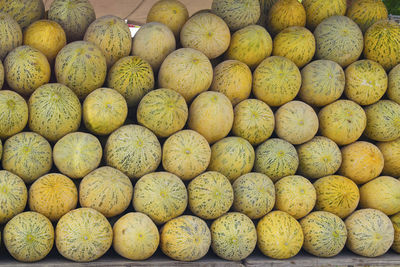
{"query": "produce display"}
pixel 269 127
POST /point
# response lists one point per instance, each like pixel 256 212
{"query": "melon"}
pixel 1 149
pixel 325 234
pixel 319 157
pixel 186 154
pixel 74 16
pixel 391 155
pixel 153 42
pixel 82 67
pixel 163 111
pixel 10 28
pixel 279 235
pixel 112 35
pixel 323 82
pixel 172 13
pixel 26 69
pixel 160 195
pixel 366 12
pixel 106 190
pixel 237 13
pixel 53 195
pixel 339 39
pixel 381 43
pixel 233 78
pixel 13 113
pixel 13 195
pixel 250 45
pixel 276 158
pixel 54 111
pixel 187 71
pixel 383 121
pixel 29 236
pixel 265 6
pixel 284 14
pixel 211 201
pixel 295 195
pixel 393 91
pixel 136 236
pixel 342 121
pixel 295 43
pixel 23 11
pixel 27 155
pixel 370 233
pixel 396 225
pixel 336 194
pixel 134 150
pixel 233 236
pixel 103 111
pixel 83 235
pixel 1 75
pixel 186 238
pixel 276 81
pixel 318 10
pixel 77 154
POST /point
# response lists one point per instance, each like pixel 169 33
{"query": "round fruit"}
pixel 366 12
pixel 318 10
pixel 54 111
pixel 24 12
pixel 27 155
pixel 336 194
pixel 10 28
pixel 1 75
pixel 13 195
pixel 14 113
pixel 29 236
pixel 396 225
pixel 53 195
pixel 284 14
pixel 160 195
pixel 104 110
pixel 163 111
pixel 211 201
pixel 83 235
pixel 370 233
pixel 136 237
pixel 186 238
pixel 106 190
pixel 279 235
pixel 82 67
pixel 393 91
pixel 134 150
pixel 265 6
pixel 325 234
pixel 26 69
pixel 276 158
pixel 233 236
pixel 391 154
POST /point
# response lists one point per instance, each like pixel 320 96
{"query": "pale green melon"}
pixel 393 91
pixel 13 113
pixel 284 14
pixel 13 195
pixel 391 154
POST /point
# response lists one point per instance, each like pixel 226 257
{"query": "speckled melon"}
pixel 160 195
pixel 104 110
pixel 295 195
pixel 233 236
pixel 82 67
pixel 74 16
pixel 26 69
pixel 396 225
pixel 163 111
pixel 13 113
pixel 136 236
pixel 265 6
pixel 391 154
pixel 250 45
pixel 187 71
pixel 393 91
pixel 1 75
pixel 325 234
pixel 27 155
pixel 54 111
pixel 279 235
pixel 339 39
pixel 10 29
pixel 112 35
pixel 318 10
pixel 134 150
pixel 370 233
pixel 366 12
pixel 106 190
pixel 25 12
pixel 336 194
pixel 323 82
pixel 186 238
pixel 381 43
pixel 276 158
pixel 53 195
pixel 13 195
pixel 284 14
pixel 186 154
pixel 29 236
pixel 276 81
pixel 83 235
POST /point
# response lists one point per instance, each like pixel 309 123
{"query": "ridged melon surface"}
pixel 14 195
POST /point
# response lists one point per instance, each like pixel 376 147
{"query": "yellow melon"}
pixel 284 14
pixel 366 12
pixel 13 195
pixel 391 155
pixel 24 12
pixel 318 10
pixel 13 113
pixel 9 27
pixel 1 75
pixel 393 91
pixel 396 225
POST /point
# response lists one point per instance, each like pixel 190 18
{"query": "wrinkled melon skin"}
pixel 186 238
pixel 318 10
pixel 391 154
pixel 13 195
pixel 233 236
pixel 396 225
pixel 284 14
pixel 370 233
pixel 9 28
pixel 24 12
pixel 393 91
pixel 366 12
pixel 29 236
pixel 13 113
